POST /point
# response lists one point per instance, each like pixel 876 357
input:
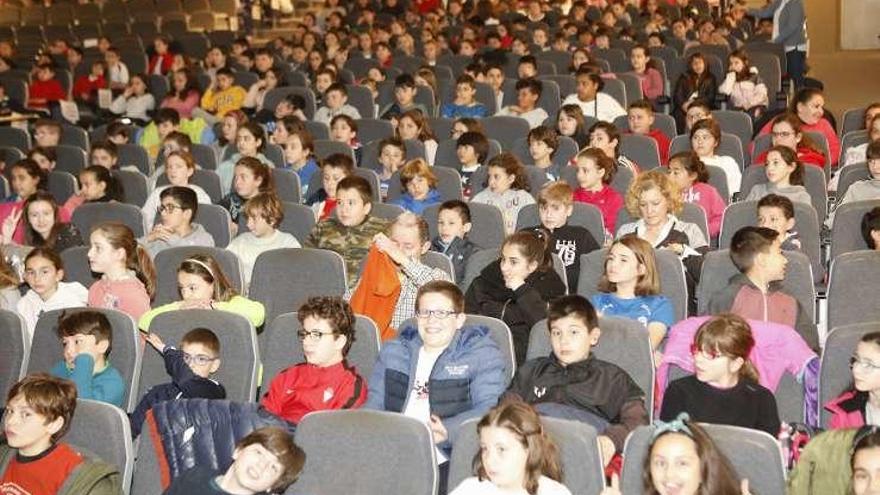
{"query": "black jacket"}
pixel 458 251
pixel 570 242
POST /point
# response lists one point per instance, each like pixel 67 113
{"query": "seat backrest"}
pixel 853 120
pixel 730 145
pixel 239 355
pixel 13 353
pixel 281 348
pixel 275 95
pixel 206 179
pixel 104 430
pixel 125 354
pixel 131 154
pixel 367 446
pixel 204 155
pixel 846 234
pixel 583 215
pixel 61 185
pixel 505 130
pixel 134 185
pixel 672 284
pixel 15 137
pixel 215 219
pixel 70 159
pixel 488 224
pixel 755 455
pixel 88 215
pixel 370 130
pixel 640 149
pixel 835 376
pixel 579 455
pixel 287 185
pixel 850 274
pixel 76 265
pixel 737 123
pixel 278 275
pixel 849 175
pixel 168 261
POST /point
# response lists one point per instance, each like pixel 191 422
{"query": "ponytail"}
pixel 533 245
pixel 119 236
pixel 145 270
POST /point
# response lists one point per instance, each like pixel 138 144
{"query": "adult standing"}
pixel 789 30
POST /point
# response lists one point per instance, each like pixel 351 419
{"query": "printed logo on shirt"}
pixel 421 389
pixel 328 394
pixel 10 488
pixel 457 369
pixel 567 251
pixel 540 391
pixel 111 301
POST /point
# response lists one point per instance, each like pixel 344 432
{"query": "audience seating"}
pixel 215 219
pixel 14 353
pixel 836 377
pixel 103 430
pixel 583 215
pixel 850 275
pixel 846 234
pixel 168 261
pixel 488 225
pixel 89 215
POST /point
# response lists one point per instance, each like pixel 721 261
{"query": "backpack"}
pixel 824 465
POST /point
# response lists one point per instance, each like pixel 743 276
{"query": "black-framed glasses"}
pixel 197 359
pixel 169 208
pixel 312 335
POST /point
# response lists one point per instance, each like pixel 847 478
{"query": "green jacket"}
pixel 254 311
pixel 352 243
pixel 92 477
pixel 823 467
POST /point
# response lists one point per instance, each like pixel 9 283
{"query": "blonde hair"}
pixel 653 179
pixel 556 192
pixel 417 168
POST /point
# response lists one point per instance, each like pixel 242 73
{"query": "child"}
pixel 856 406
pixel 724 388
pixel 44 272
pixel 251 178
pixel 689 174
pixel 528 92
pixel 590 99
pixel 87 337
pixel 413 124
pixel 579 385
pixel 344 129
pixel 650 78
pixel 47 133
pixel 45 89
pixel 39 409
pixel 335 103
pixel 190 369
pixel 471 149
pixel 516 287
pixel 44 226
pixel 420 184
pixel 46 158
pixel 27 179
pixel 516 455
pixel 543 142
pixel 325 380
pixel 867 189
pixel 85 89
pixel 177 209
pixel 465 103
pixel 299 153
pixel 777 212
pixel 334 168
pixel 221 98
pixel 705 139
pixel 864 459
pixel 392 156
pixel 606 137
pixel 350 233
pixel 871 228
pixel 697 82
pixel 595 170
pixel 179 169
pixel 404 98
pixel 127 273
pixel 569 242
pixel 785 176
pixel 96 185
pixel 743 85
pixel 136 101
pixel 466 124
pixel 264 213
pixel 630 288
pixel 570 123
pixel 104 154
pixel 453 225
pixel 858 154
pixel 203 285
pixel 787 130
pixel 508 188
pixel 249 142
pixel 229 124
pixel 640 116
pixel 117 71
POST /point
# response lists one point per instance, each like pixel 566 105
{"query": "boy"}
pixel 472 149
pixel 528 92
pixel 86 338
pixel 265 461
pixel 118 133
pixel 756 293
pixel 569 242
pixel 453 225
pixel 871 229
pixel 39 409
pixel 45 89
pixel 47 133
pixel 698 110
pixel 104 154
pixel 777 212
pixel 190 369
pixel 866 189
pixel 465 104
pixel 167 121
pixel 527 67
pixel 117 71
pixel 404 99
pixel 323 80
pixel 641 117
pixel 543 142
pixel 178 207
pixel 495 79
pixel 335 103
pixel 392 156
pixel 221 98
pixel 350 233
pixel 334 168
pixel 572 384
pixel 325 381
pixel 592 101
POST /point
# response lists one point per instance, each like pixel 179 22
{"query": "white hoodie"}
pixel 68 295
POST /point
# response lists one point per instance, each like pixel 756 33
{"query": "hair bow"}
pixel 677 425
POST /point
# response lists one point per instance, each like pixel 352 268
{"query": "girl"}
pixel 516 287
pixel 225 144
pixel 594 173
pixel 264 213
pixel 413 125
pixel 184 95
pixel 425 77
pixel 516 455
pixel 865 461
pixel 420 184
pixel 44 272
pixel 787 131
pixel 136 101
pixel 250 141
pixel 690 175
pixel 179 169
pixel 606 137
pixel 251 178
pixel 724 388
pixel 466 124
pixel 650 78
pixel 128 277
pixel 809 107
pixel 570 122
pixel 508 188
pixel 9 282
pixel 299 153
pixel 579 57
pixel 46 157
pixel 284 127
pixel 344 129
pixel 96 185
pixel 860 404
pixel 257 92
pixel 44 227
pixel 785 177
pixel 27 178
pixel 630 288
pixel 203 285
pixel 696 82
pixel 744 86
pixel 705 138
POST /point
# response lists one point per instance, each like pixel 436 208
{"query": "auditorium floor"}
pixel 851 78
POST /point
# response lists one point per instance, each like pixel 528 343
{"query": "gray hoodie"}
pixel 198 237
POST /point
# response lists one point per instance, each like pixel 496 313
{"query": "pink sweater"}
pixel 707 197
pixel 607 200
pixel 129 296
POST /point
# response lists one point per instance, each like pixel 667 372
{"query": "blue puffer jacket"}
pixel 465 383
pixel 417 206
pixel 204 432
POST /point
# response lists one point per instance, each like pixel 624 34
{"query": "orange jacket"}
pixel 377 292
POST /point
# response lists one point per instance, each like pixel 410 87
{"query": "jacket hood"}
pixel 465 338
pixel 740 280
pixel 544 281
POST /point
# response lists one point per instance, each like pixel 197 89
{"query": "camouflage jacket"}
pixel 352 243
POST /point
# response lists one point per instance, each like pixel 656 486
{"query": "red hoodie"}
pixel 807 156
pixel 305 388
pixel 662 144
pixel 607 200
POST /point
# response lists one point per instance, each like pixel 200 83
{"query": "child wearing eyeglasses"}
pixel 724 388
pixel 190 369
pixel 325 380
pixel 856 406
